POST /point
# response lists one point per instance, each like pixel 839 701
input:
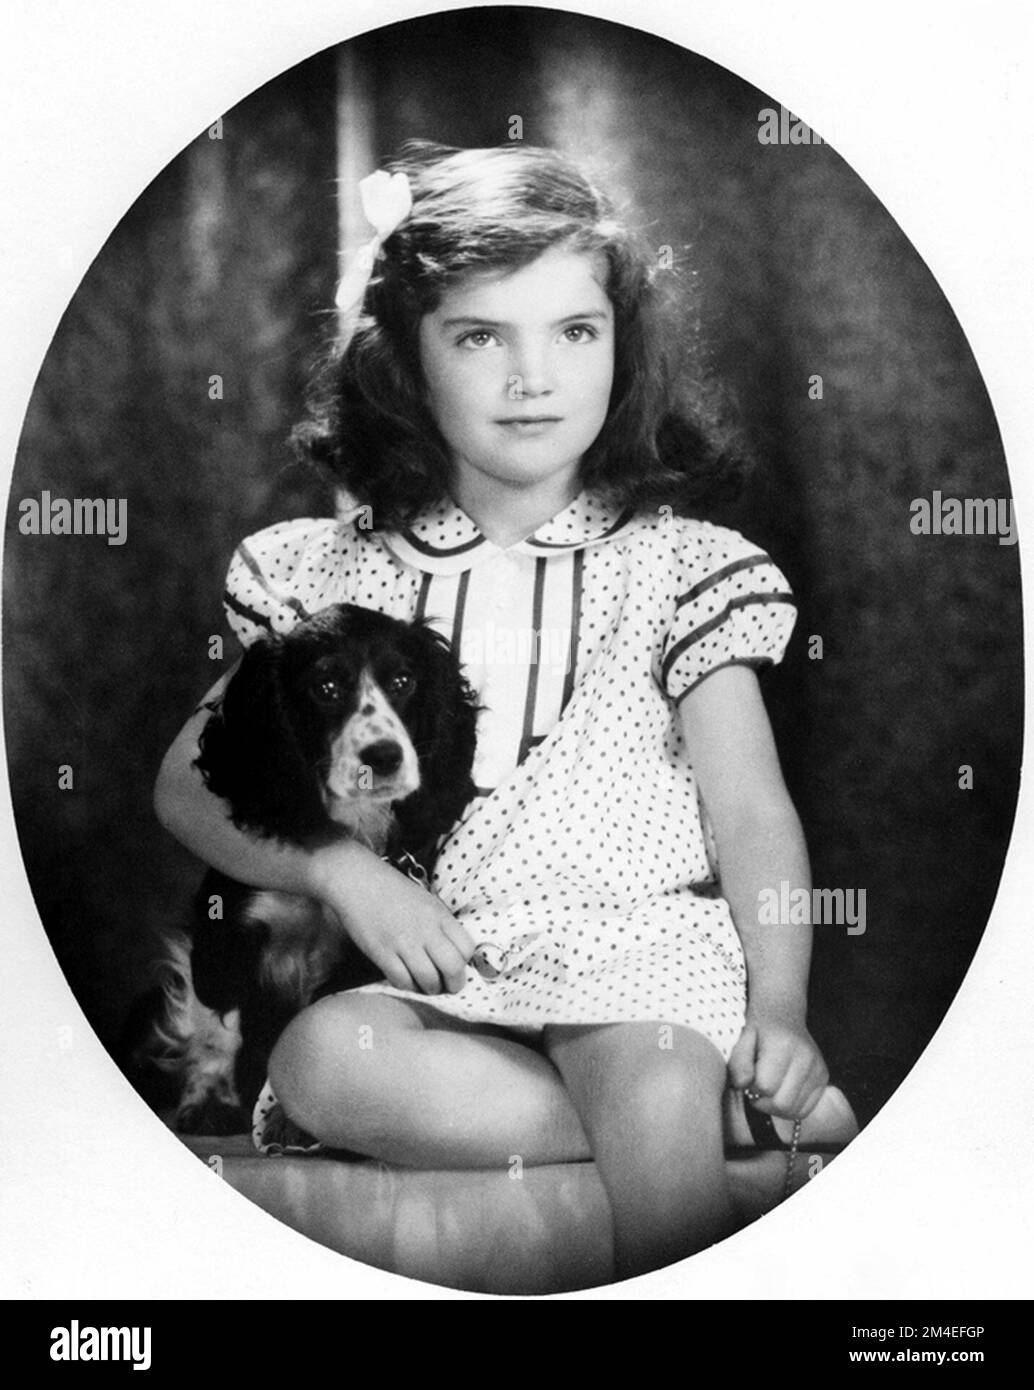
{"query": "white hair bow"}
pixel 386 200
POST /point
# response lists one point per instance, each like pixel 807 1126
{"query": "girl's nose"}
pixel 532 374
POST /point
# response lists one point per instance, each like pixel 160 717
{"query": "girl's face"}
pixel 518 367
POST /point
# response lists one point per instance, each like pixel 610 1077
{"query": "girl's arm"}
pixel 760 847
pixel 406 931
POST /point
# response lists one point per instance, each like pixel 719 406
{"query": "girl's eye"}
pixel 480 333
pixel 580 328
pixel 402 684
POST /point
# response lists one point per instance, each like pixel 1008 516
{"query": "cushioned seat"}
pixel 505 1231
pixel 544 1231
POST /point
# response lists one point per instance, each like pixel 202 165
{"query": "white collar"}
pixel 445 540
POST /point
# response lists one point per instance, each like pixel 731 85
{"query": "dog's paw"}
pixel 211 1116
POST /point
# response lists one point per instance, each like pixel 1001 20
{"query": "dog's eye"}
pixel 328 691
pixel 402 684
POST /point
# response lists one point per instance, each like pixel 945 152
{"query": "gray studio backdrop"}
pixel 226 266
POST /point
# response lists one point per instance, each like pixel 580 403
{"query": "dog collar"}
pixel 406 864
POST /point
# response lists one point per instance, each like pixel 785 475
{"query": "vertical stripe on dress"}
pixel 457 617
pixel 576 609
pixel 421 602
pixel 442 601
pixel 527 732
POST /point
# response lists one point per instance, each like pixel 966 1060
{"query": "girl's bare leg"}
pixel 650 1101
pixel 409 1085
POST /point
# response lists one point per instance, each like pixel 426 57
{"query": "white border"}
pixel 928 103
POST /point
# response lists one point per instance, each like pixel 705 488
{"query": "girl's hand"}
pixel 406 931
pixel 777 1058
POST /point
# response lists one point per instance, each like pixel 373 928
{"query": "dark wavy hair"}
pixel 368 422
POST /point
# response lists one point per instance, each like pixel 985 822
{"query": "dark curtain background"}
pixel 226 265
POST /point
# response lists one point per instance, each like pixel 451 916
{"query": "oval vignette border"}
pixel 685 41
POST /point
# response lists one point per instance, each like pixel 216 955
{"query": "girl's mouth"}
pixel 531 424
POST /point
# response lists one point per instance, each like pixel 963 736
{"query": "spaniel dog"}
pixel 353 724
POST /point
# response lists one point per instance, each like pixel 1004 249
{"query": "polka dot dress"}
pixel 585 868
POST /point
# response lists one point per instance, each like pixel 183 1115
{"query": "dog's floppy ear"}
pixel 445 737
pixel 251 753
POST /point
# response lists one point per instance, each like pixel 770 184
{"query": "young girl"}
pixel 514 464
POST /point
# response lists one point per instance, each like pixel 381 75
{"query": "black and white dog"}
pixel 353 724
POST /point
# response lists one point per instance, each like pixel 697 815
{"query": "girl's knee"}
pixel 311 1063
pixel 675 1090
pixel 665 1082
pixel 334 1068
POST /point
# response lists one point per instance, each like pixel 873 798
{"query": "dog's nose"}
pixel 382 757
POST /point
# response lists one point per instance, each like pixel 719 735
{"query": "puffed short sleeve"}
pixel 733 606
pixel 280 575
